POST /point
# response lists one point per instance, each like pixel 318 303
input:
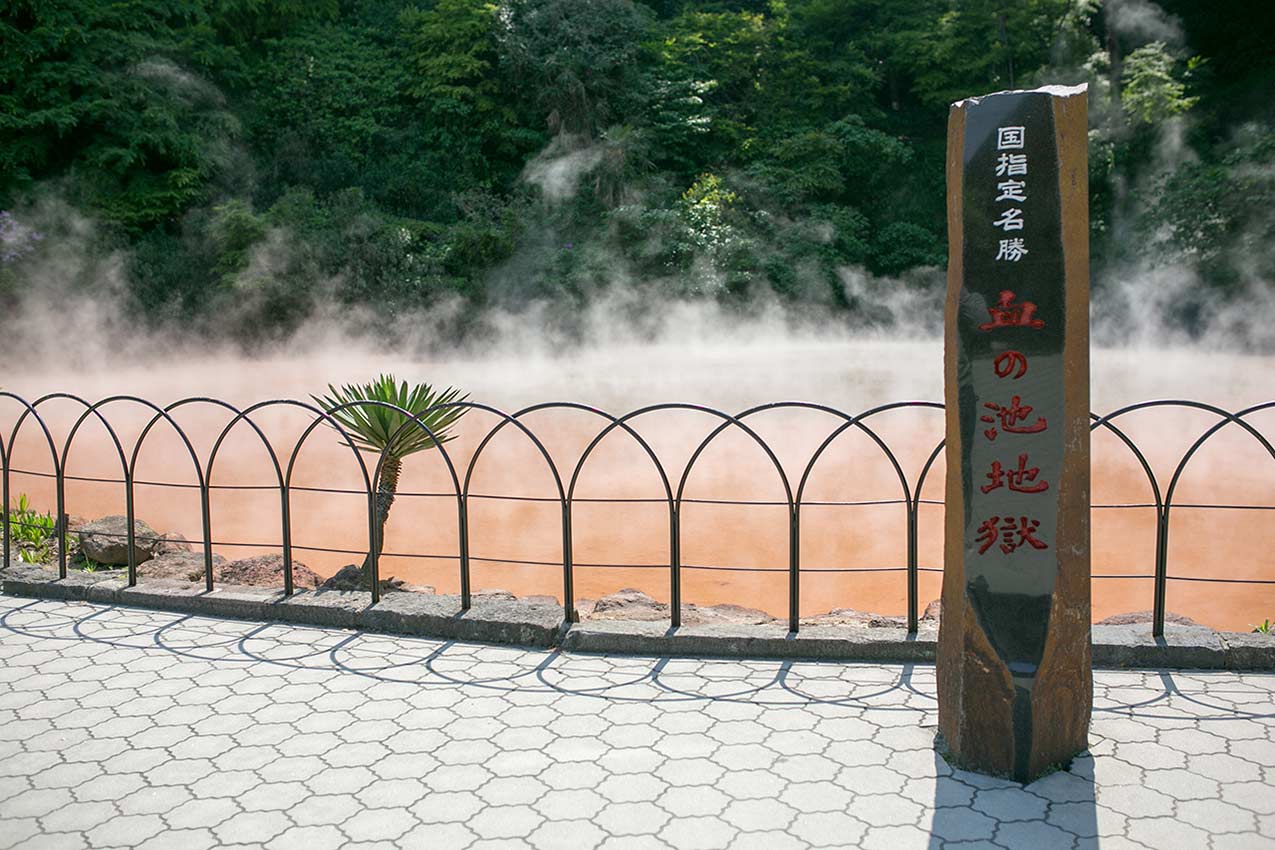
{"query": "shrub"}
pixel 32 533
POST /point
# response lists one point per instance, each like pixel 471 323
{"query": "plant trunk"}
pixel 1002 21
pixel 386 487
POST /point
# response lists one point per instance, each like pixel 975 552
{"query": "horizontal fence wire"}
pixel 674 498
pixel 610 500
pixel 594 565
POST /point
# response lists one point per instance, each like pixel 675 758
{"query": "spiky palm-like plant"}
pixel 376 428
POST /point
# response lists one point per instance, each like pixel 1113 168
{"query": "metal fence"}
pixel 674 488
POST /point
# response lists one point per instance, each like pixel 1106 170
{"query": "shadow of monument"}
pixel 1057 810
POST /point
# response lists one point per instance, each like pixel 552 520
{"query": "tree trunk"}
pixel 1115 65
pixel 386 487
pixel 1002 21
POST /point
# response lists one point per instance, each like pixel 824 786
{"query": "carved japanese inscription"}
pixel 1015 687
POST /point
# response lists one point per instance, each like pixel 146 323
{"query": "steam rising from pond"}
pixel 691 351
pixel 630 344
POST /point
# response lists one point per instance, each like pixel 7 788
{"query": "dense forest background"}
pixel 236 164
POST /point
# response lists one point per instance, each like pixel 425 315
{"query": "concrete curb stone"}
pixel 539 624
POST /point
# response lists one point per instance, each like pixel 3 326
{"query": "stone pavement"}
pixel 123 728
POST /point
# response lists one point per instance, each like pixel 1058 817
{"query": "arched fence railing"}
pixel 565 482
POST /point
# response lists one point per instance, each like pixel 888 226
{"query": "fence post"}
pixel 568 589
pixel 63 529
pixel 675 566
pixel 131 535
pixel 463 532
pixel 1161 572
pixel 60 485
pixel 912 565
pixel 794 569
pixel 206 512
pixel 285 516
pixel 4 486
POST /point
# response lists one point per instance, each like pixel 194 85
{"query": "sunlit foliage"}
pixel 250 159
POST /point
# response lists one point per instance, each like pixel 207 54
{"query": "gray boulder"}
pixel 172 541
pixel 267 571
pixel 353 577
pixel 629 604
pixel 694 615
pixel 1134 617
pixel 186 566
pixel 105 540
pixel 855 617
pixel 633 604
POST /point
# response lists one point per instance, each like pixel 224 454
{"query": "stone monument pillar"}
pixel 1015 686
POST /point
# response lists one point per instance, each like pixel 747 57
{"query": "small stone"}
pixel 353 577
pixel 629 604
pixel 267 571
pixel 184 566
pixel 1134 617
pixel 172 541
pixel 852 617
pixel 725 613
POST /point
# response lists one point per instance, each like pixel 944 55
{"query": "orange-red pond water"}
pixel 736 553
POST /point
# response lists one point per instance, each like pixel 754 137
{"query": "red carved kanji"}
pixel 988 533
pixel 1010 415
pixel 1007 314
pixel 1010 361
pixel 1011 533
pixel 1017 480
pixel 1017 534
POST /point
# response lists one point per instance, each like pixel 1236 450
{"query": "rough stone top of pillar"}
pixel 1056 91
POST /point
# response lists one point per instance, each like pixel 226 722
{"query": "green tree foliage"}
pixel 328 108
pixel 1220 212
pixel 251 159
pixel 473 129
pixel 980 45
pixel 1151 89
pixel 95 89
pixel 574 59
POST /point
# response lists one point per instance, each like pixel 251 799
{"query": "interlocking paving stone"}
pixel 199 732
